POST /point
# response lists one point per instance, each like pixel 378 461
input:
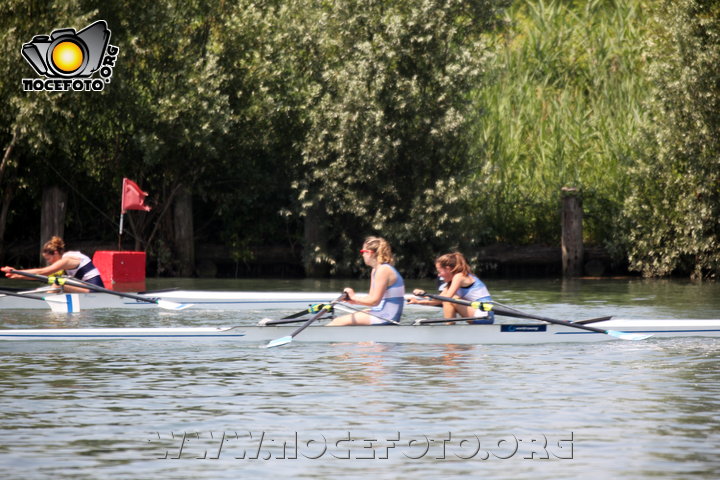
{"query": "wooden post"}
pixel 315 243
pixel 572 234
pixel 184 232
pixel 52 214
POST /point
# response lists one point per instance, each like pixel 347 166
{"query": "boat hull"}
pixel 200 300
pixel 421 334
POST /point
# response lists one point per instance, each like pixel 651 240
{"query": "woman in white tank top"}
pixel 74 264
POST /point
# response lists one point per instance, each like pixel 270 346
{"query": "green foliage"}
pixel 41 133
pixel 386 126
pixel 674 207
pixel 562 108
pixel 437 124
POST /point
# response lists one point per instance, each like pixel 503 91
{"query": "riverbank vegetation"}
pixel 438 124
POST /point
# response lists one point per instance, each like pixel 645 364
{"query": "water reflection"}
pixel 365 364
pixel 689 431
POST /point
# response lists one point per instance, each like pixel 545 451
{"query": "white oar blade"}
pixel 66 303
pixel 278 341
pixel 629 336
pixel 168 305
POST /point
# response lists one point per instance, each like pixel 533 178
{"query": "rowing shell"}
pixel 196 299
pixel 205 300
pixel 424 334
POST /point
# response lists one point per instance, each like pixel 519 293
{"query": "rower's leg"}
pixel 357 318
pixel 461 310
pixel 449 310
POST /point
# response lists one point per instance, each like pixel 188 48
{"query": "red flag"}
pixel 132 197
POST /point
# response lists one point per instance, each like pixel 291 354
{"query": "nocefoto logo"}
pixel 68 59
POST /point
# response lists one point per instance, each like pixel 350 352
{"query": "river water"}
pixel 136 410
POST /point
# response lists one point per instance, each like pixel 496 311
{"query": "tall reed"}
pixel 561 108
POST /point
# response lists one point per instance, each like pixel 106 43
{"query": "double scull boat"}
pixel 497 333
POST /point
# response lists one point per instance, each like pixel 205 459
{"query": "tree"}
pixel 156 122
pixel 42 133
pixel 674 206
pixel 385 124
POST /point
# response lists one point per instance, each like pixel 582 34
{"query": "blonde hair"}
pixel 55 244
pixel 381 247
pixel 456 262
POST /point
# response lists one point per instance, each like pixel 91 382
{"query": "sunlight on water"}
pixel 131 409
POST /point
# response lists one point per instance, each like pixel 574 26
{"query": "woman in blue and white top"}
pixel 75 264
pixel 387 288
pixel 460 283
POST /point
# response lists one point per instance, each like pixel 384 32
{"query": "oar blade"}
pixel 64 303
pixel 278 342
pixel 628 336
pixel 168 305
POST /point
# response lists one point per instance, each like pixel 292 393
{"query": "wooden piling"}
pixel 52 214
pixel 572 234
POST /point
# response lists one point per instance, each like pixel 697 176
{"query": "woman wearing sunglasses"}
pixel 387 288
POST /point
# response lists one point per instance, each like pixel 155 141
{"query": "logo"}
pixel 69 59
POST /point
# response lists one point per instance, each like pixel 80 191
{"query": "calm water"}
pixel 135 410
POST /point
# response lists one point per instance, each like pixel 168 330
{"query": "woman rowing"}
pixel 460 283
pixel 74 263
pixel 387 288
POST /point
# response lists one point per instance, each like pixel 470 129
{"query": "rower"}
pixel 460 283
pixel 74 263
pixel 387 288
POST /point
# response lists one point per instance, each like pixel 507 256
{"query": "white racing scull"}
pixel 196 299
pixel 460 333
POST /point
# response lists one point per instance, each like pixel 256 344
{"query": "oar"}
pixel 511 312
pixel 269 322
pixel 76 283
pixel 289 338
pixel 593 320
pixel 428 321
pixel 21 295
pixel 311 309
pixel 294 318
